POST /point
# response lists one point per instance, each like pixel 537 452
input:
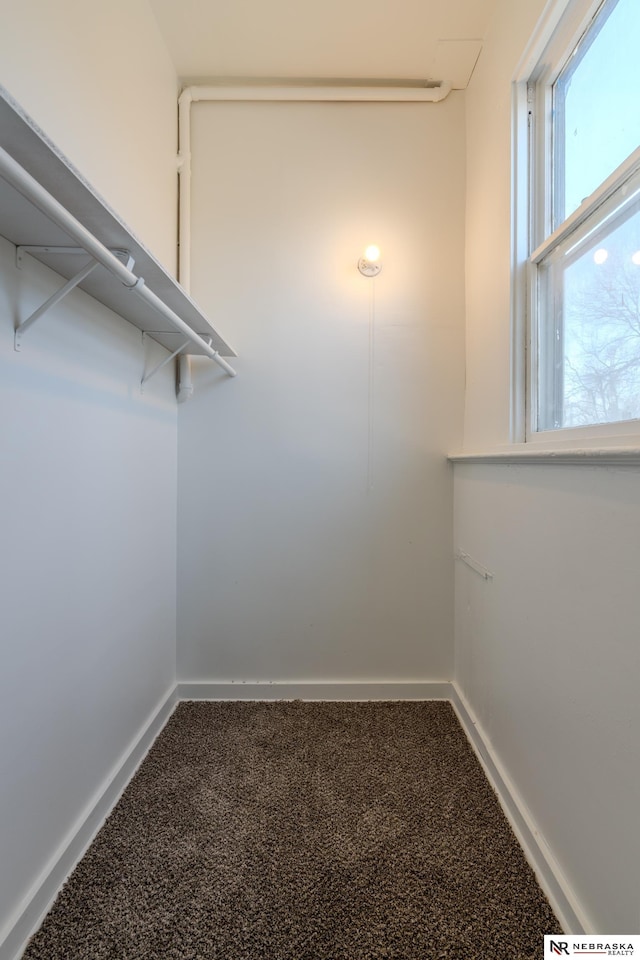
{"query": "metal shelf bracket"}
pixel 163 363
pixel 70 285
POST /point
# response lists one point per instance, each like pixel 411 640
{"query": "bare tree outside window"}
pixel 601 361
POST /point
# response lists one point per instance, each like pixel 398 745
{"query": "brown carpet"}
pixel 303 831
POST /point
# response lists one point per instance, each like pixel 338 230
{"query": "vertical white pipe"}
pixel 185 381
pixel 184 188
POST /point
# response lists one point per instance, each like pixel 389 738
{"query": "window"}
pixel 584 223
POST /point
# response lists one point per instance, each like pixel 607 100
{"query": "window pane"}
pixel 596 115
pixel 589 359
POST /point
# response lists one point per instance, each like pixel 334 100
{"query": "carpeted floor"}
pixel 303 831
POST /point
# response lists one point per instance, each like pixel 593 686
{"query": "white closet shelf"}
pixel 24 224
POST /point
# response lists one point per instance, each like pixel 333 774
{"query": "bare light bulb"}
pixel 600 256
pixel 635 258
pixel 369 265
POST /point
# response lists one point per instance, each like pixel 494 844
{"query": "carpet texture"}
pixel 303 831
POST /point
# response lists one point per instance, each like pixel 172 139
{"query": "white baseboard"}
pixel 303 690
pixel 562 898
pixel 37 902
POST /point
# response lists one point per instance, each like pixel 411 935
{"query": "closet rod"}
pixel 25 184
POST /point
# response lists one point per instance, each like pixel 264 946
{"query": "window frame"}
pixel 564 24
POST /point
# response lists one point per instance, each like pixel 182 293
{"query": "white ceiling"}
pixel 345 39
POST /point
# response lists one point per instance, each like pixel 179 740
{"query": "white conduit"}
pixel 184 187
pixel 185 381
pixel 264 93
pixel 25 184
pixel 327 93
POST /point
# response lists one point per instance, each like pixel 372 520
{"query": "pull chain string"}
pixel 371 386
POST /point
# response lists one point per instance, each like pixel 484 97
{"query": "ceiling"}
pixel 337 39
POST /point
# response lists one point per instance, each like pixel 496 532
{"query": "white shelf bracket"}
pixel 60 294
pixel 162 363
pixel 51 302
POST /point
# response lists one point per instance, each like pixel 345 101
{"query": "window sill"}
pixel 589 457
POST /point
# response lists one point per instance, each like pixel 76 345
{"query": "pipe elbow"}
pixel 186 96
pixel 443 91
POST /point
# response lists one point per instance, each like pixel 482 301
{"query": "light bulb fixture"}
pixel 369 265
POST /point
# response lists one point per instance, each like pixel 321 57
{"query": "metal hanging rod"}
pixel 25 184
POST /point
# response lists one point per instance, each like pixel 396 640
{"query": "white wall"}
pixel 88 469
pixel 289 566
pixel 99 81
pixel 547 652
pixel 548 657
pixel 88 483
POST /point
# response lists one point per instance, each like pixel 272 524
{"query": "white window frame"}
pixel 557 35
